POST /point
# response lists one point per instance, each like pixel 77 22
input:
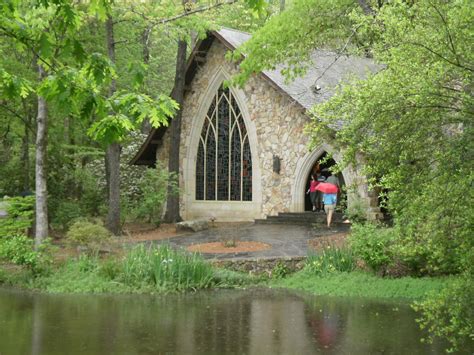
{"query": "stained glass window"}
pixel 224 161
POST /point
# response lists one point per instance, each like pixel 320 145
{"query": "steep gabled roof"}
pixel 328 70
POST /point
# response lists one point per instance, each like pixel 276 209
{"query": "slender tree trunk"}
pixel 26 156
pixel 282 5
pixel 41 226
pixel 113 150
pixel 172 208
pixel 145 38
pixel 113 161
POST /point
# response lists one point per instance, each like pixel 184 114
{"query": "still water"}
pixel 214 322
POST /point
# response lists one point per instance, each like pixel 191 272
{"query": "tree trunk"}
pixel 112 159
pixel 172 206
pixel 113 162
pixel 26 156
pixel 41 225
pixel 282 5
pixel 145 38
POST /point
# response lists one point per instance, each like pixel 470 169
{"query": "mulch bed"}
pixel 219 248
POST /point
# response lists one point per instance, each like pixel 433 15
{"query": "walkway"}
pixel 287 241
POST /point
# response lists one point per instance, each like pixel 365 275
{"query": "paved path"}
pixel 287 241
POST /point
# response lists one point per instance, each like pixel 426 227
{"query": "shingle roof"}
pixel 328 71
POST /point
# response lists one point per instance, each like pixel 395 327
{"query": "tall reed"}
pixel 166 268
pixel 331 259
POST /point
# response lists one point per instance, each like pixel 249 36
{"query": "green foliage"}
pixel 330 260
pixel 282 40
pixel 154 188
pixel 19 250
pixel 356 212
pixel 412 123
pixel 80 275
pixel 20 216
pixel 75 78
pixel 228 278
pixel 66 212
pixel 88 234
pixel 130 110
pixel 166 268
pixel 372 244
pixel 450 314
pixel 280 270
pixel 359 284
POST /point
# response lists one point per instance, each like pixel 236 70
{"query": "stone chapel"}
pixel 243 153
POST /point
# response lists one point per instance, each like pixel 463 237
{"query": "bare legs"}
pixel 329 217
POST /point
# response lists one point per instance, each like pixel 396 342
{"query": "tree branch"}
pixel 338 55
pixel 448 33
pixel 16 114
pixel 154 23
pixel 440 56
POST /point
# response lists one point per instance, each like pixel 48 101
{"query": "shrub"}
pixel 280 270
pixel 154 187
pixel 110 269
pixel 372 243
pixel 449 314
pixel 19 251
pixel 166 268
pixel 20 216
pixel 330 260
pixel 229 242
pixel 87 234
pixel 66 213
pixel 356 212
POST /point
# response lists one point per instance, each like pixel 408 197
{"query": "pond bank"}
pixel 363 284
pixel 87 277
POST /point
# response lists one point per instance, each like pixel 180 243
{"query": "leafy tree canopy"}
pixel 76 80
pixel 411 123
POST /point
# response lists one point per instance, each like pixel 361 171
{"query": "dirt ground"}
pixel 140 233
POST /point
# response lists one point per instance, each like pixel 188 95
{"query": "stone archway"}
pixel 356 183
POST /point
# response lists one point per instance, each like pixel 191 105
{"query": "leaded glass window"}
pixel 224 161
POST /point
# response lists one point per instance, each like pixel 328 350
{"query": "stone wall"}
pixel 277 124
pixel 263 266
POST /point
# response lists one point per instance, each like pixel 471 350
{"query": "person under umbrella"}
pixel 329 199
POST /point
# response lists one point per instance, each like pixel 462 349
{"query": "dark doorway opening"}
pixel 322 167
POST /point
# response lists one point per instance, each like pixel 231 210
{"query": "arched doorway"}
pixel 322 167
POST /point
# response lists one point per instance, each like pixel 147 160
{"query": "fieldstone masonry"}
pixel 278 122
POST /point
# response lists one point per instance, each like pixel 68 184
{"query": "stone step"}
pixel 307 215
pixel 303 218
pixel 335 225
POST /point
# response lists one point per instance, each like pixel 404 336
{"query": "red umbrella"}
pixel 327 188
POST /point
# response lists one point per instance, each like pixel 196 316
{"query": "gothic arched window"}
pixel 224 162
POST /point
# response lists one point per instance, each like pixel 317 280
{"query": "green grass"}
pixel 142 270
pixel 331 259
pixel 162 269
pixel 361 284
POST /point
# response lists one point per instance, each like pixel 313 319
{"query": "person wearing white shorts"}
pixel 329 201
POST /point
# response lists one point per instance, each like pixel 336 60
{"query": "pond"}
pixel 256 321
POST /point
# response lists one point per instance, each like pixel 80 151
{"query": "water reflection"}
pixel 218 322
